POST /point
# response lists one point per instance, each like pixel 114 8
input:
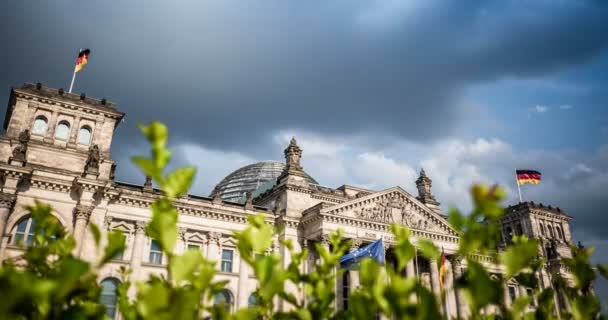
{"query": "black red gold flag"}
pixel 528 176
pixel 82 60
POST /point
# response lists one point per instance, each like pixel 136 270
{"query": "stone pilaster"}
pixel 242 294
pixel 354 274
pixel 213 249
pixel 7 201
pixel 461 305
pixel 435 277
pixel 82 214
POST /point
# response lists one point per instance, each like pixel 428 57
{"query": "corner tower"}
pixel 50 128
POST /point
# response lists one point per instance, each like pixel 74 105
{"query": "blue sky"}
pixel 373 90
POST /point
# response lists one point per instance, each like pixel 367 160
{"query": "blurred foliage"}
pixel 50 282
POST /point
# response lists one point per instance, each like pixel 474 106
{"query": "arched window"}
pixel 345 289
pixel 84 135
pixel 518 229
pixel 542 229
pixel 253 300
pixel 223 298
pixel 40 125
pixel 23 232
pixel 550 229
pixel 63 130
pixel 562 235
pixel 109 290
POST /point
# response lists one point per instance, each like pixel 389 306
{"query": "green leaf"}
pixel 603 268
pixel 156 133
pixel 116 245
pixel 163 226
pixel 178 182
pixel 519 255
pixel 96 233
pixel 182 267
pixel 429 250
pixel 147 166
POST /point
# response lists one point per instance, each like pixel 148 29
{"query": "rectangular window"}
pixel 192 246
pixel 512 293
pixel 227 260
pixel 156 254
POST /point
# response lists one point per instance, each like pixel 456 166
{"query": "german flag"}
pixel 442 271
pixel 81 61
pixel 527 176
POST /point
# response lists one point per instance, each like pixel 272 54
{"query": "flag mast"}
pixel 74 75
pixel 518 187
pixel 72 83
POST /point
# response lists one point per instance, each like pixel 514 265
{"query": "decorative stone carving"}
pixel 107 222
pixel 214 237
pixel 92 164
pixel 113 171
pixel 82 212
pixel 148 184
pixel 325 240
pixel 140 226
pixel 424 183
pixel 217 197
pixel 248 201
pixel 293 154
pixel 7 200
pixel 181 232
pixel 20 151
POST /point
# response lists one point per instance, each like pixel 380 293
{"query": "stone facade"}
pixel 72 170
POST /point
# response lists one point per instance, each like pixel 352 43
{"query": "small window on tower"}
pixel 40 125
pixel 84 135
pixel 63 130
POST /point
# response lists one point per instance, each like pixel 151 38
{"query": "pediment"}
pixel 393 205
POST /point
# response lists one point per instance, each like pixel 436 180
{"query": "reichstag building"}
pixel 56 148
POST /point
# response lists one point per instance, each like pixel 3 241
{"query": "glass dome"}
pixel 251 178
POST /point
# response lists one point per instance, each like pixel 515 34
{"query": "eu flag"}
pixel 374 250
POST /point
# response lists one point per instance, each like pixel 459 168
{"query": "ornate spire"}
pixel 424 183
pixel 148 184
pixel 293 154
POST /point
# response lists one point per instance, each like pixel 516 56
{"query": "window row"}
pixel 24 231
pixel 109 298
pixel 62 131
pixel 553 232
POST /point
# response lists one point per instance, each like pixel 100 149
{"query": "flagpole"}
pixel 74 75
pixel 72 83
pixel 518 187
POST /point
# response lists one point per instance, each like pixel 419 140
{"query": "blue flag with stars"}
pixel 374 250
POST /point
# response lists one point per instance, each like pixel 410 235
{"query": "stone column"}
pixel 450 291
pixel 180 246
pixel 242 295
pixel 435 277
pixel 409 269
pixel 461 306
pixel 213 249
pixel 325 243
pixel 82 214
pixel 7 201
pixel 354 274
pixel 6 205
pixel 75 130
pixel 138 247
pixel 507 297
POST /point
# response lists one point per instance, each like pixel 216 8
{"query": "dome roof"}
pixel 257 176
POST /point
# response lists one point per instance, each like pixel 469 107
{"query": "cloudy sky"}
pixel 373 90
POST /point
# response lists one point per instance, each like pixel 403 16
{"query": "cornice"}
pixel 86 107
pixel 373 225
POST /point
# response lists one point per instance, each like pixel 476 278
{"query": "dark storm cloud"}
pixel 228 74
